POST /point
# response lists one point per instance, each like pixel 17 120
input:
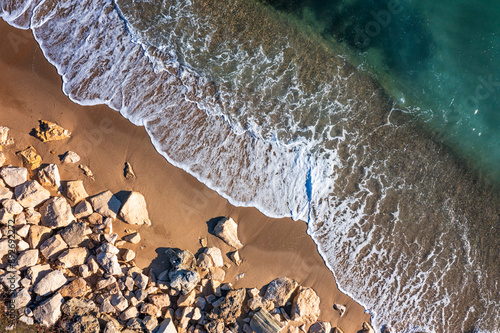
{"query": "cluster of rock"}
pixel 69 269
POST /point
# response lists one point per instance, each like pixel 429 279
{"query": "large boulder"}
pixel 56 213
pixel 227 230
pixel 106 204
pixel 31 194
pixel 14 176
pixel 49 312
pixel 134 210
pixel 305 306
pixel 280 290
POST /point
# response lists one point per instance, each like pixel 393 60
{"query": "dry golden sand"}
pixel 179 205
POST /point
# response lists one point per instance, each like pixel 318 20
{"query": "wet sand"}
pixel 180 206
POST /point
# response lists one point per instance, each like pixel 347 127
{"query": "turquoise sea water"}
pixel 439 59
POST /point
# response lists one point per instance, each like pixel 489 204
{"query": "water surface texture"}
pixel 287 107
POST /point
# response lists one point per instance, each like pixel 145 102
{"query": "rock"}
pixel 23 231
pixel 75 191
pixel 49 177
pixel 49 312
pixel 204 261
pixel 2 159
pixel 106 204
pixel 108 248
pixel 73 234
pixel 134 210
pixel 86 171
pixel 130 313
pixel 37 235
pixel 107 307
pixel 78 307
pixel 320 327
pixel 132 238
pixel 160 300
pixel 150 323
pixel 85 324
pixel 340 308
pixel 50 283
pixel 32 216
pixel 368 328
pixel 235 257
pixel 6 218
pixel 53 247
pixel 230 308
pixel 184 280
pixel 37 272
pixel 216 256
pixel 83 209
pixel 20 298
pixel 14 176
pixel 73 257
pixel 141 281
pixel 280 290
pixel 186 300
pixel 128 172
pixel 56 213
pixel 11 280
pixel 48 131
pixel 216 326
pixel 12 206
pixel 5 193
pixel 305 306
pixel 109 262
pixel 167 326
pixel 150 309
pixel 27 259
pixel 227 230
pixel 4 137
pixel 119 302
pixel 70 157
pixel 111 327
pixel 134 324
pixel 76 288
pixel 217 273
pixel 128 255
pixel 263 322
pixel 31 159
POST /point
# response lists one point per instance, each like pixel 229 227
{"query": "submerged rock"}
pixel 14 176
pixel 48 131
pixel 31 194
pixel 134 210
pixel 227 230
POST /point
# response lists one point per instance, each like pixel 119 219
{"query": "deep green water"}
pixel 439 59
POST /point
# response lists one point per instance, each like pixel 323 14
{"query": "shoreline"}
pixel 105 141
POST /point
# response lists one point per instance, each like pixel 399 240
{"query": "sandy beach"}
pixel 180 207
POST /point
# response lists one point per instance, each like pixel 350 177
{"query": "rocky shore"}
pixel 63 267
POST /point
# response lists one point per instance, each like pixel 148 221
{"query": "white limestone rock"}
pixel 23 231
pixel 56 213
pixel 2 159
pixel 106 204
pixel 21 298
pixel 76 191
pixel 134 210
pixel 37 272
pixel 12 206
pixel 128 255
pixel 5 217
pixel 49 312
pixel 14 176
pixel 5 193
pixel 227 230
pixel 49 177
pixel 109 262
pixel 305 306
pixel 83 209
pixel 53 247
pixel 50 283
pixel 70 157
pixel 32 216
pixel 132 238
pixel 27 259
pixel 31 194
pixel 73 257
pixel 216 255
